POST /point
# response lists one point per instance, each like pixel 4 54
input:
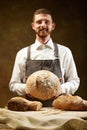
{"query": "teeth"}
pixel 44 29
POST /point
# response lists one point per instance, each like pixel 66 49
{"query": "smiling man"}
pixel 44 54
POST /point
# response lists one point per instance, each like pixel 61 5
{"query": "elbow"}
pixel 12 87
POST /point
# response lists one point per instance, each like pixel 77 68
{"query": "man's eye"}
pixel 47 22
pixel 39 22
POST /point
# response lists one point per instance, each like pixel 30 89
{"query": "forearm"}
pixel 71 86
pixel 18 88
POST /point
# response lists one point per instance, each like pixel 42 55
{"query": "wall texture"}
pixel 16 33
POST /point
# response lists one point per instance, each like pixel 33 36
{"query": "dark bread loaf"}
pixel 43 85
pixel 69 102
pixel 22 104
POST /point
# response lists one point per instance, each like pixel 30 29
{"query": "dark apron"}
pixel 51 65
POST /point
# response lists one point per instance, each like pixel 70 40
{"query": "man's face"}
pixel 43 25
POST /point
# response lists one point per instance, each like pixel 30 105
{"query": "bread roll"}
pixel 22 104
pixel 69 102
pixel 43 85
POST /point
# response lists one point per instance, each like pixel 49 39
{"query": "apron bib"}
pixel 51 65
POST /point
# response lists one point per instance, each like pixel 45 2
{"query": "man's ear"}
pixel 32 25
pixel 53 26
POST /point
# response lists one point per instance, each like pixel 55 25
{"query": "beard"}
pixel 42 32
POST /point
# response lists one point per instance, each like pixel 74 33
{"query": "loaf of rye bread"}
pixel 22 104
pixel 69 102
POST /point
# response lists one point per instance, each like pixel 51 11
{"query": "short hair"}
pixel 42 11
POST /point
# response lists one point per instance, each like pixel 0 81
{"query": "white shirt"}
pixel 45 52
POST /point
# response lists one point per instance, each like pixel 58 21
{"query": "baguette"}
pixel 69 102
pixel 22 104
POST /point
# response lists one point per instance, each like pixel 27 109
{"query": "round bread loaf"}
pixel 43 85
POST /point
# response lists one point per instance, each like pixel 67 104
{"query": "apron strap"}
pixel 56 53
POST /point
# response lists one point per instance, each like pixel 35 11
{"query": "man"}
pixel 44 54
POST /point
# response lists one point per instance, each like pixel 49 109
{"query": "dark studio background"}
pixel 16 33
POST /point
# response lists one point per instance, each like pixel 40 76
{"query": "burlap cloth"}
pixel 45 119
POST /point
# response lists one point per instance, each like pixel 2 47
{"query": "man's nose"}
pixel 43 23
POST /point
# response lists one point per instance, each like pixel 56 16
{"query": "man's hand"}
pixel 28 95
